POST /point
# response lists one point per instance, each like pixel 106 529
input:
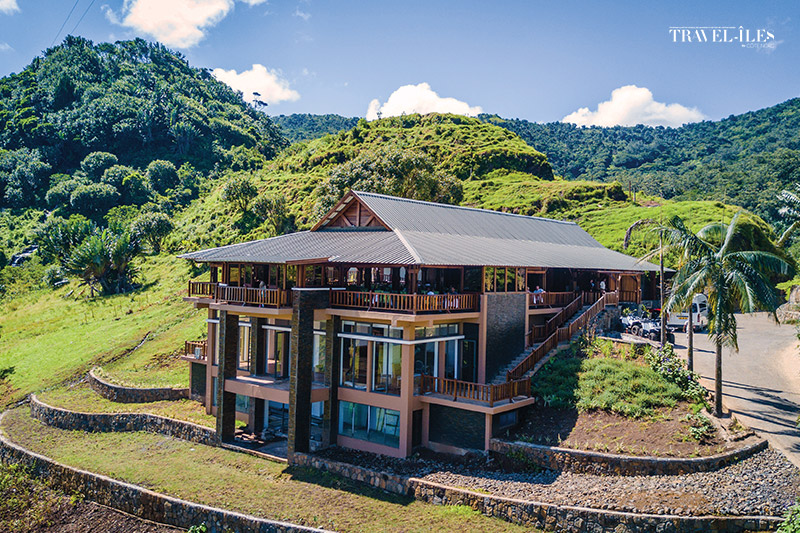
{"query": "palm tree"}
pixel 732 279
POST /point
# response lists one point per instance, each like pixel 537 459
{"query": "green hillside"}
pixel 744 160
pixel 305 127
pixel 95 213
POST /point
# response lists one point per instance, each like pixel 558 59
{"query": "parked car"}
pixel 699 315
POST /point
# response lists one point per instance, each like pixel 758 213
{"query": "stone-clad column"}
pixel 227 350
pixel 258 364
pixel 300 366
pixel 330 417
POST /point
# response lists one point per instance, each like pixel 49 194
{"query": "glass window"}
pixel 451 368
pixel 354 363
pixel 472 279
pixel 244 348
pixel 426 360
pixel 233 278
pixel 242 403
pixel 374 424
pixel 386 361
pixel 318 362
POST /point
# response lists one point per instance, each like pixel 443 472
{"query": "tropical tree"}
pixel 152 228
pixel 104 260
pixel 733 279
pixel 239 191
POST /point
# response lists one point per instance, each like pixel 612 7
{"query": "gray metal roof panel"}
pixel 439 249
pixel 414 215
pixel 336 246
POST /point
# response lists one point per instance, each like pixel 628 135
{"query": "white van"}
pixel 699 315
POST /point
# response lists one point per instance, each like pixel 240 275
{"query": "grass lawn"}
pixel 613 401
pixel 49 336
pixel 239 482
pixel 82 398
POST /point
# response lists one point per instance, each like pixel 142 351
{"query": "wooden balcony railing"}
pixel 196 350
pixel 541 332
pixel 404 303
pixel 250 296
pixel 562 334
pixel 478 392
pixel 240 295
pixel 202 289
pixel 550 299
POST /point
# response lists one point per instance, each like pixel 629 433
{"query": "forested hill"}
pixel 304 127
pixel 745 160
pixel 135 100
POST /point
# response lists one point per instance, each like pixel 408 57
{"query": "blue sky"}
pixel 542 61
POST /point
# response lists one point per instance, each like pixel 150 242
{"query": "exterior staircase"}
pixel 528 362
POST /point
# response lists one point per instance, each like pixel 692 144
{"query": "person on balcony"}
pixel 538 295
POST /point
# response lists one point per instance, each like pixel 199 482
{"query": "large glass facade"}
pixel 354 363
pixel 387 360
pixel 373 424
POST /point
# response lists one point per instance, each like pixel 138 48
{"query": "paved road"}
pixel 761 383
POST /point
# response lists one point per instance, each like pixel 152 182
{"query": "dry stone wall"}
pixel 120 394
pixel 605 463
pixel 109 422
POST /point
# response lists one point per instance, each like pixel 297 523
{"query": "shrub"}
pixel 700 427
pixel 791 520
pixel 53 276
pixel 152 228
pixel 96 163
pixel 116 174
pixel 239 191
pixel 60 193
pixel 94 199
pixel 669 366
pixel 162 174
pixel 136 188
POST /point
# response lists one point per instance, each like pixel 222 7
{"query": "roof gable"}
pixel 350 212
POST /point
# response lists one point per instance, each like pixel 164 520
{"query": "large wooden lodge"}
pixel 395 323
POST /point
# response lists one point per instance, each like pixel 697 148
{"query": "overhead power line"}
pixel 80 19
pixel 64 23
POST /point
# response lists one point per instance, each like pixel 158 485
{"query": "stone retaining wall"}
pixel 535 514
pixel 382 480
pixel 138 501
pixel 578 519
pixel 108 422
pixel 626 465
pixel 120 394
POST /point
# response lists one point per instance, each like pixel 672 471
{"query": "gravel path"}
pixel 765 484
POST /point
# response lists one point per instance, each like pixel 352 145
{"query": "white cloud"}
pixel 270 86
pixel 8 6
pixel 5 47
pixel 301 14
pixel 631 105
pixel 418 99
pixel 178 23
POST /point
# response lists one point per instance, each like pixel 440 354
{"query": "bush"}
pixel 116 174
pixel 791 520
pixel 239 191
pixel 162 174
pixel 669 366
pixel 53 276
pixel 96 163
pixel 60 194
pixel 136 188
pixel 94 199
pixel 152 228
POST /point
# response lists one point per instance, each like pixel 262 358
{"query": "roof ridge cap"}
pixel 408 246
pixel 462 207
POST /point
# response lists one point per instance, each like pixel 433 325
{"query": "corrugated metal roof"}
pixel 414 215
pixel 337 246
pixel 426 233
pixel 445 249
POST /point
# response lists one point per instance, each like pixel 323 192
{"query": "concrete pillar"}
pixel 228 353
pixel 407 393
pixel 300 367
pixel 330 417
